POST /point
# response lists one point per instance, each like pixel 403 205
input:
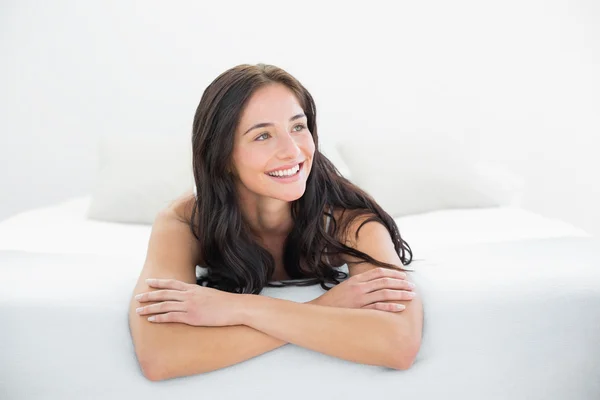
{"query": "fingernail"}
pixel 411 294
pixel 400 307
pixel 151 318
pixel 150 280
pixel 137 310
pixel 411 285
pixel 139 296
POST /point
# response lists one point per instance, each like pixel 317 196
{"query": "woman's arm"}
pixel 173 350
pixel 361 335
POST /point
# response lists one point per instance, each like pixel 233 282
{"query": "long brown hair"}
pixel 235 261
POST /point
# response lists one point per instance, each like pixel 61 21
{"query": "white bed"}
pixel 512 310
pixel 64 228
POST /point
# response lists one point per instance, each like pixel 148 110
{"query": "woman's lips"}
pixel 289 179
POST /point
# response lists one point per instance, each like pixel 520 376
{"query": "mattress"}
pixel 511 304
pixel 507 320
pixel 64 229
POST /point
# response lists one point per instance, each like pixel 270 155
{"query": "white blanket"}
pixel 513 320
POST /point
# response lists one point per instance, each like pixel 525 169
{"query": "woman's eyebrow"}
pixel 264 124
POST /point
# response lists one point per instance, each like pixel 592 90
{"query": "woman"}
pixel 270 209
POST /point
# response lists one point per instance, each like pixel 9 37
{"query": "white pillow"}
pixel 329 149
pixel 138 175
pixel 414 174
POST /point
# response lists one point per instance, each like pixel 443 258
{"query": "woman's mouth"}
pixel 288 175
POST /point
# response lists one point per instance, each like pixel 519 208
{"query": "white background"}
pixel 519 81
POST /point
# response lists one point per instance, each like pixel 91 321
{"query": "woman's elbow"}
pixel 146 361
pixel 150 368
pixel 157 369
pixel 151 364
pixel 406 353
pixel 405 360
pixel 150 374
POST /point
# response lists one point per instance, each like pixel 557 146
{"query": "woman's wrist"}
pixel 313 301
pixel 247 304
pixel 243 310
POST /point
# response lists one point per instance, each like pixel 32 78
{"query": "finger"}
pixel 180 317
pixel 387 283
pixel 165 306
pixel 388 295
pixel 161 295
pixel 391 307
pixel 167 284
pixel 380 272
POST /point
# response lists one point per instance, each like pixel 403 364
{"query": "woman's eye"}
pixel 301 126
pixel 258 137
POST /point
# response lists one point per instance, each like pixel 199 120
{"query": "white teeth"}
pixel 287 172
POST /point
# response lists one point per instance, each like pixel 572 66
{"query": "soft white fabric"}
pixel 514 320
pixel 445 229
pixel 329 149
pixel 422 173
pixel 64 228
pixel 138 175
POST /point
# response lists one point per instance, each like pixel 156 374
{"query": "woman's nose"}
pixel 288 147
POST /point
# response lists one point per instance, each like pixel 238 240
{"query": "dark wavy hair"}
pixel 234 260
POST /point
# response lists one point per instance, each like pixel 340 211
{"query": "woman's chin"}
pixel 289 195
pixel 291 198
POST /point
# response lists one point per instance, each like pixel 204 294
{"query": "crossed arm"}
pixel 360 335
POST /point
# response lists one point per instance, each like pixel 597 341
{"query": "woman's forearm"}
pixel 360 335
pixel 176 350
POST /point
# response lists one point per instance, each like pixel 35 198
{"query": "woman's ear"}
pixel 230 171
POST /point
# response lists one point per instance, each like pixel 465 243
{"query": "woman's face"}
pixel 273 148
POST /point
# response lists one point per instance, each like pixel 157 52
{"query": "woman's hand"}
pixel 370 289
pixel 190 304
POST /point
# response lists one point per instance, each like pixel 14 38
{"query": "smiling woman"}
pixel 270 210
pixel 270 154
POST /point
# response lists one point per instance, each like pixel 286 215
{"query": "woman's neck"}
pixel 269 218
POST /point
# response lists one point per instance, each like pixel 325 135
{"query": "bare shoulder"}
pixel 351 224
pixel 182 206
pixel 345 228
pixel 173 251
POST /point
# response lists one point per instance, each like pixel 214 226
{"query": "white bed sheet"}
pixel 514 320
pixel 511 311
pixel 65 229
